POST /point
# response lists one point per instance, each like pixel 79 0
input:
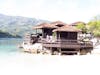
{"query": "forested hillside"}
pixel 17 25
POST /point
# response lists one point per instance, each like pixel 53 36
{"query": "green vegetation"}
pixel 17 26
pixel 7 35
pixel 94 26
pixel 82 27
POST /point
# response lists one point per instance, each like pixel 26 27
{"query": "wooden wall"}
pixel 67 35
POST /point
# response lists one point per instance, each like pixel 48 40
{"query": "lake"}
pixel 9 45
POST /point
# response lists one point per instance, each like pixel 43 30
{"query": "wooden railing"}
pixel 60 41
pixel 63 43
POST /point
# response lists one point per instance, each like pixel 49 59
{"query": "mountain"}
pixel 17 25
pixel 7 35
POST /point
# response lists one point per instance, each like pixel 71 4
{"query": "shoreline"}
pixel 37 64
pixel 50 65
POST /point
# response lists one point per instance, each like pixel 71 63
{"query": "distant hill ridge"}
pixel 17 25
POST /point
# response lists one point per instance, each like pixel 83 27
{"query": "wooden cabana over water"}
pixel 67 32
pixel 46 29
pixel 58 37
pixel 65 40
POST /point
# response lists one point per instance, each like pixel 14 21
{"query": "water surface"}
pixel 9 45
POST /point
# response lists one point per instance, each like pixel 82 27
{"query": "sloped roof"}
pixel 67 28
pixel 58 23
pixel 55 24
pixel 44 25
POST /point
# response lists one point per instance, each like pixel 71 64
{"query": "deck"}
pixel 62 44
pixel 70 44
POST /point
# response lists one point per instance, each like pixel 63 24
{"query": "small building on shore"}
pixel 59 37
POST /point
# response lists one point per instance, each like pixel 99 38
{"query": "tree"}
pixel 82 27
pixel 94 26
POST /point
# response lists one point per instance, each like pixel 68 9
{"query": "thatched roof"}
pixel 67 28
pixel 44 25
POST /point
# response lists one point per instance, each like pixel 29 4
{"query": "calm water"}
pixel 9 46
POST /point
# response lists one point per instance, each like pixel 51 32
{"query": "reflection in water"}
pixel 10 41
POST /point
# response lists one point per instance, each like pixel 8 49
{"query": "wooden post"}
pixel 78 52
pixel 51 50
pixel 59 35
pixel 42 33
pixel 36 31
pixel 60 51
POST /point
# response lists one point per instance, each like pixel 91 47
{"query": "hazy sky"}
pixel 65 10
